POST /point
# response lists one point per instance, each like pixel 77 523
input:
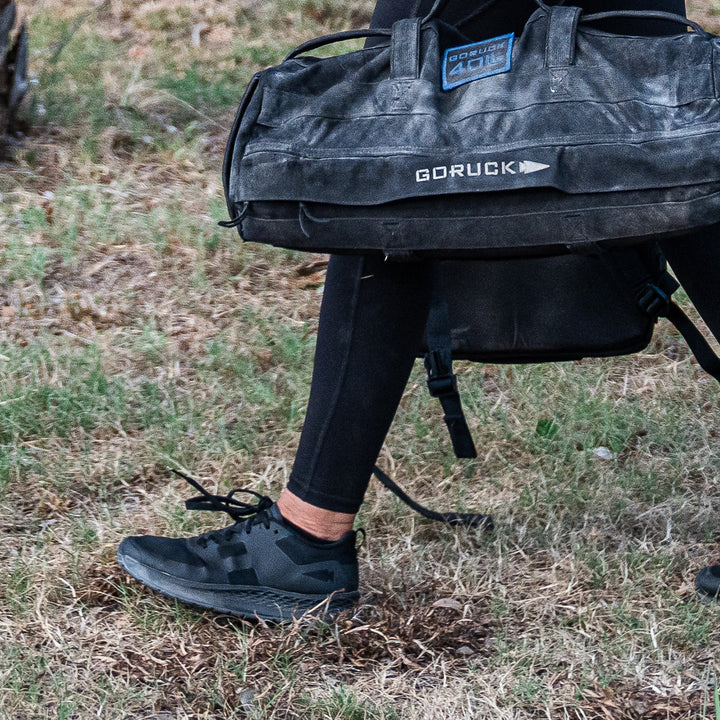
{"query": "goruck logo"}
pixel 481 59
pixel 491 168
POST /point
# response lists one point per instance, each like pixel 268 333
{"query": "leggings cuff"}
pixel 322 499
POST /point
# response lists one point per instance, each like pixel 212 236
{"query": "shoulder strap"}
pixel 704 354
pixel 654 296
pixel 452 518
pixel 441 381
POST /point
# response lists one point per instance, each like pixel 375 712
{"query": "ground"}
pixel 135 334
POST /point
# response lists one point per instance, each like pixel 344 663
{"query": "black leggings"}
pixel 373 312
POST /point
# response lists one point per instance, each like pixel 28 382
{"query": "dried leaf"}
pixel 448 603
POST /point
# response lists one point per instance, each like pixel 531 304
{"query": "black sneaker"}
pixel 708 582
pixel 260 567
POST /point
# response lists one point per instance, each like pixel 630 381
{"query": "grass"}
pixel 136 334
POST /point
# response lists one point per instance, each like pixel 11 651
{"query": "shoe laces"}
pixel 246 515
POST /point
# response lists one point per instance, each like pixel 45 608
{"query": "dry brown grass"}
pixel 581 605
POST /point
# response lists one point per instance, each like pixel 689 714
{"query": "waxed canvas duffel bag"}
pixel 429 144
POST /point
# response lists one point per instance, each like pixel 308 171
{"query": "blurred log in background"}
pixel 13 69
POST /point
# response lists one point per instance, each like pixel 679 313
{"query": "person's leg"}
pixel 695 259
pixel 367 342
pixel 291 556
pixel 371 329
pixel 285 557
pixel 696 262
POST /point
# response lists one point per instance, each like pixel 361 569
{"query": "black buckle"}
pixel 654 301
pixel 440 378
pixel 443 385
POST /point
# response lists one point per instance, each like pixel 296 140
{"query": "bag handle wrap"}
pixel 405 49
pixel 561 36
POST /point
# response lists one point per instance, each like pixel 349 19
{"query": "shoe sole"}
pixel 245 601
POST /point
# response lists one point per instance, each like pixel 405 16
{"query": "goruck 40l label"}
pixel 481 59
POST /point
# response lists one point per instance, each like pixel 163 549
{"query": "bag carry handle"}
pixel 323 40
pixel 642 14
pixel 563 24
pixel 646 15
pixel 439 4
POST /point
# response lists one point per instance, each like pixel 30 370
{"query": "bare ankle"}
pixel 324 524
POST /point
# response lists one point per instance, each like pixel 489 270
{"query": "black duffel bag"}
pixel 429 144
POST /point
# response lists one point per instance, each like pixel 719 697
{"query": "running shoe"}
pixel 259 567
pixel 708 582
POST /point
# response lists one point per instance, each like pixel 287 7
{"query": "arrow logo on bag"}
pixel 528 166
pixel 489 168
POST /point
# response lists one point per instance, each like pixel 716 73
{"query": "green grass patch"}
pixel 70 89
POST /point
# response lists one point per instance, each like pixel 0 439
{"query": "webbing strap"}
pixel 441 381
pixel 655 298
pixel 442 384
pixel 704 354
pixel 452 518
pixel 405 49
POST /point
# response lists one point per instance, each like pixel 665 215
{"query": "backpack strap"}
pixel 441 381
pixel 452 518
pixel 654 296
pixel 657 302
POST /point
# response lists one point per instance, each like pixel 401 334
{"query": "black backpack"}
pixel 543 309
pixel 537 173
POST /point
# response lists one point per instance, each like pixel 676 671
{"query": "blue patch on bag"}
pixel 481 59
